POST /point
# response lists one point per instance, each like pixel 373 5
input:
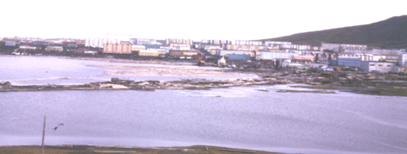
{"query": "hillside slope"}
pixel 390 33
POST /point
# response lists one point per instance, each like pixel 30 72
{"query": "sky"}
pixel 188 19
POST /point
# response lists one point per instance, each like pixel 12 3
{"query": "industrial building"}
pixel 372 66
pixel 349 61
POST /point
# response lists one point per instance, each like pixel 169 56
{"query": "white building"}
pixel 382 67
pixel 403 60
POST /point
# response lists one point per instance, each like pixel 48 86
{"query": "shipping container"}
pixel 238 57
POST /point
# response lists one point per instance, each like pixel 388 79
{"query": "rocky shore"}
pixel 358 82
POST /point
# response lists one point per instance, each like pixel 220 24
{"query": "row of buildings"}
pixel 347 55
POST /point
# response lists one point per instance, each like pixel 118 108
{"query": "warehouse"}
pixel 352 62
pixel 264 55
pixel 382 67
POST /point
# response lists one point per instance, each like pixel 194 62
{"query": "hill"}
pixel 390 33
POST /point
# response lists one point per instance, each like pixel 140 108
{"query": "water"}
pixel 31 70
pixel 242 117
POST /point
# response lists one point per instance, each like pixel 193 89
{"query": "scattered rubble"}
pixel 368 83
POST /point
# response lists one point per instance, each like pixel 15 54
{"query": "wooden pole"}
pixel 43 133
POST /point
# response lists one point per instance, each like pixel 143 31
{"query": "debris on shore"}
pixel 359 82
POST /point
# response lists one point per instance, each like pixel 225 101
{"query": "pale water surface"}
pixel 240 117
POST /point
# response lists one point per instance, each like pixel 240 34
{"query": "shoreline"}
pixel 84 149
pixel 205 84
pixel 348 81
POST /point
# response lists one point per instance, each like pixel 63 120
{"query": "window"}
pixel 380 65
pixel 371 64
pixel 388 65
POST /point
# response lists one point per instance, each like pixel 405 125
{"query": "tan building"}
pixel 123 48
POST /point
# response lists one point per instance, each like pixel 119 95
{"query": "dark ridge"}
pixel 390 33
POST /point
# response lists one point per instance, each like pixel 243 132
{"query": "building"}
pixel 124 47
pixel 137 47
pixel 96 42
pixel 54 49
pixel 27 47
pixel 237 52
pixel 272 43
pixel 249 47
pixel 180 46
pixel 265 55
pixel 238 57
pixel 349 61
pixel 403 60
pixel 340 47
pixel 80 42
pixel 151 53
pixel 69 46
pixel 170 41
pixel 372 66
pixel 302 59
pixel 141 41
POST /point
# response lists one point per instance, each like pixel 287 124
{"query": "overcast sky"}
pixel 189 19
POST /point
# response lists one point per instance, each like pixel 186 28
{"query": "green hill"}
pixel 390 33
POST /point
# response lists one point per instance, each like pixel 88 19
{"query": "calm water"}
pixel 242 117
pixel 30 70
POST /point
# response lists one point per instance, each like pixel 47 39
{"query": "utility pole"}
pixel 43 133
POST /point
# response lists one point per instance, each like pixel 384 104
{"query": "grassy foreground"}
pixel 84 149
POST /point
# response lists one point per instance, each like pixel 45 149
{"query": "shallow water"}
pixel 32 70
pixel 240 117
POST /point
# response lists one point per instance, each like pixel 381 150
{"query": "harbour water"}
pixel 238 117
